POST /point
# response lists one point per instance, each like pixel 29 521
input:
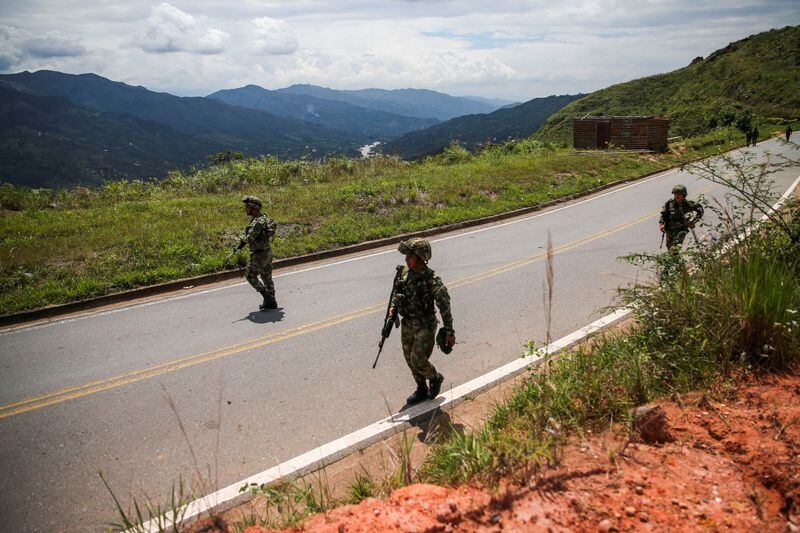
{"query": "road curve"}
pixel 89 393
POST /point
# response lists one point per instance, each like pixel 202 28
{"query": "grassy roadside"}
pixel 66 245
pixel 739 314
pixel 700 332
pixel 694 332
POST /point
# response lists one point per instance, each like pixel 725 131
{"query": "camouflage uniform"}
pixel 414 298
pixel 257 236
pixel 676 225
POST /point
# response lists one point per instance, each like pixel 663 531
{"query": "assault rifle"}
pixel 392 318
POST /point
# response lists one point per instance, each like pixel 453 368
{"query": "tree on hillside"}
pixel 224 157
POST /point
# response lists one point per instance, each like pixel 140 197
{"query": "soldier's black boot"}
pixel 420 395
pixel 436 386
pixel 269 301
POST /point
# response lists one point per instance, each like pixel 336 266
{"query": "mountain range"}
pixel 419 103
pixel 515 122
pixel 204 118
pixel 47 141
pixel 375 124
pixel 60 129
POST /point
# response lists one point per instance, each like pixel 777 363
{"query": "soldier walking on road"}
pixel 417 288
pixel 788 133
pixel 674 220
pixel 754 135
pixel 257 235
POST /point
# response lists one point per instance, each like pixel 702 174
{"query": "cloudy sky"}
pixel 509 49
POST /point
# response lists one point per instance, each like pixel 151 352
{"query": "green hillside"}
pixel 758 74
pixel 46 141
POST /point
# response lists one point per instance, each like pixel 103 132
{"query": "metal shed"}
pixel 627 133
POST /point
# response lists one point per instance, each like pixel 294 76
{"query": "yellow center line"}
pixel 93 387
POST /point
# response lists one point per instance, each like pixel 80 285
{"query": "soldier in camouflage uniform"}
pixel 417 289
pixel 257 236
pixel 674 221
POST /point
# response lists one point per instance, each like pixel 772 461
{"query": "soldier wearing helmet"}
pixel 417 289
pixel 257 235
pixel 678 216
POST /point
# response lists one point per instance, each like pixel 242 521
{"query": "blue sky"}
pixel 515 50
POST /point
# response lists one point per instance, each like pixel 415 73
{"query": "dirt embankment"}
pixel 733 464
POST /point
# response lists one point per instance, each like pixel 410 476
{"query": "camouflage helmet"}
pixel 252 200
pixel 441 341
pixel 680 189
pixel 417 246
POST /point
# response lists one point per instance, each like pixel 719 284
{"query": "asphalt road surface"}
pixel 253 389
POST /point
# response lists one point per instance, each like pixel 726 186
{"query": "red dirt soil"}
pixel 733 464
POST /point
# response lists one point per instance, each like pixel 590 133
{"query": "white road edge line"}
pixel 326 454
pixel 331 452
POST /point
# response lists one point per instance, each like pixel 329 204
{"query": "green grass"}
pixel 362 487
pixel 732 315
pixel 58 246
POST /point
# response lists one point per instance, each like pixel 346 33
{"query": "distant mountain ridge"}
pixel 515 122
pixel 47 141
pixel 82 129
pixel 497 103
pixel 335 114
pixel 419 103
pixel 759 74
pixel 209 120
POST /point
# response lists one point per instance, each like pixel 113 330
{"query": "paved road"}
pixel 82 395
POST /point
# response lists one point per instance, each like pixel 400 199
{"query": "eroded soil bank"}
pixel 733 464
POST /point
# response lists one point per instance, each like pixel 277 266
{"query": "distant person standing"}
pixel 674 221
pixel 788 133
pixel 754 134
pixel 257 235
pixel 748 137
pixel 417 289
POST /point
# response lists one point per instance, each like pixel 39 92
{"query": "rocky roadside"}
pixel 733 463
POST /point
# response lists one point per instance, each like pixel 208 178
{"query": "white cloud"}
pixel 273 37
pixel 212 41
pixel 505 48
pixel 10 50
pixel 17 45
pixel 54 44
pixel 171 30
pixel 393 71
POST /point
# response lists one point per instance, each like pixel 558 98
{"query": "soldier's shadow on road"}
pixel 265 317
pixel 436 425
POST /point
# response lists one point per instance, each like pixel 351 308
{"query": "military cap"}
pixel 252 200
pixel 680 189
pixel 418 246
pixel 441 341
